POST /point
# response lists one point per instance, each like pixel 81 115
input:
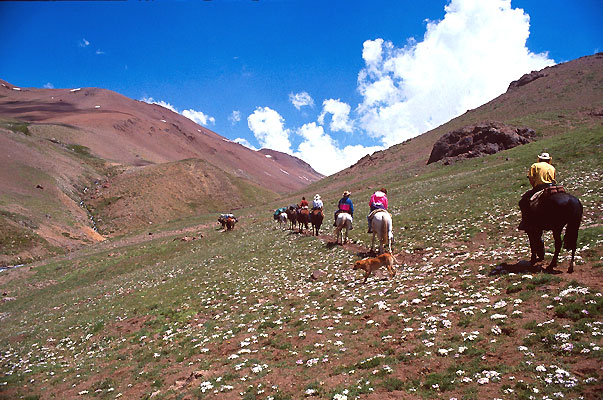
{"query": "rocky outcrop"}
pixel 526 78
pixel 478 140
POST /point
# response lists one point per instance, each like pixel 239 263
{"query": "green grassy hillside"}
pixel 235 315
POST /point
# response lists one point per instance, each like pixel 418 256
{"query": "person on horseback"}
pixel 345 205
pixel 317 202
pixel 303 203
pixel 378 201
pixel 541 176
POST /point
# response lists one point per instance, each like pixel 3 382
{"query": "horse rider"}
pixel 378 201
pixel 541 176
pixel 317 203
pixel 345 205
pixel 303 203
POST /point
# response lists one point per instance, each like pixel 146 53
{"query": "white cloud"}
pixel 234 117
pixel 324 154
pixel 268 128
pixel 84 43
pixel 100 52
pixel 161 103
pixel 49 86
pixel 196 116
pixel 245 143
pixel 199 117
pixel 341 115
pixel 463 61
pixel 301 99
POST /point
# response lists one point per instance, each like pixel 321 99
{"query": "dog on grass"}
pixel 372 264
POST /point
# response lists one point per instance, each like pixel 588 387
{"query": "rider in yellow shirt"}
pixel 541 175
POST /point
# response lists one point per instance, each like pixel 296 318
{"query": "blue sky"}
pixel 328 81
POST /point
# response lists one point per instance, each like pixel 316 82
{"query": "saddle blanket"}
pixel 543 194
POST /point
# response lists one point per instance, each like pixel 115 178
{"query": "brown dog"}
pixel 372 264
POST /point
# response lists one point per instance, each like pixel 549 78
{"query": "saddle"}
pixel 545 193
pixel 378 210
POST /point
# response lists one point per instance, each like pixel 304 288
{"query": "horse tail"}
pixel 384 229
pixel 570 240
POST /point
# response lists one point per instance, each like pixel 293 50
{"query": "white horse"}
pixel 282 220
pixel 344 220
pixel 381 225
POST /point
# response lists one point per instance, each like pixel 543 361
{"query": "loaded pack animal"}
pixel 552 211
pixel 316 218
pixel 282 220
pixel 280 216
pixel 343 221
pixel 227 221
pixel 230 223
pixel 381 226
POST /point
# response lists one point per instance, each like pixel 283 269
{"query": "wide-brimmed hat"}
pixel 317 197
pixel 544 156
pixel 346 193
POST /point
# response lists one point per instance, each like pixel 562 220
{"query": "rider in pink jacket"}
pixel 378 200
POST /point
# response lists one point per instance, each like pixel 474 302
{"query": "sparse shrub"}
pixel 79 149
pixel 18 127
pixel 392 384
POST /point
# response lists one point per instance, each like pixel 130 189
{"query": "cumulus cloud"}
pixel 324 154
pixel 463 61
pixel 199 117
pixel 100 52
pixel 245 143
pixel 84 43
pixel 161 103
pixel 301 99
pixel 234 117
pixel 268 127
pixel 49 86
pixel 341 115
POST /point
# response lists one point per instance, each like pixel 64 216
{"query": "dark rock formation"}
pixel 526 78
pixel 478 140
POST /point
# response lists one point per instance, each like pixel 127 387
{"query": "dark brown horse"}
pixel 553 213
pixel 303 218
pixel 316 217
pixel 292 216
pixel 230 223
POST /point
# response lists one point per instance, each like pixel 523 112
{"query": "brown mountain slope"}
pixel 41 185
pixel 132 132
pixel 157 193
pixel 64 153
pixel 566 95
pixel 290 163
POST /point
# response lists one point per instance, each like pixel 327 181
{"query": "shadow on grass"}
pixel 520 267
pixel 331 245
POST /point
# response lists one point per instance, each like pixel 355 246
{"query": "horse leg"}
pixel 571 266
pixel 557 236
pixel 536 246
pixel 373 243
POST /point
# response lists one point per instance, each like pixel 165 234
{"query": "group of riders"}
pixel 541 176
pixel 377 202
